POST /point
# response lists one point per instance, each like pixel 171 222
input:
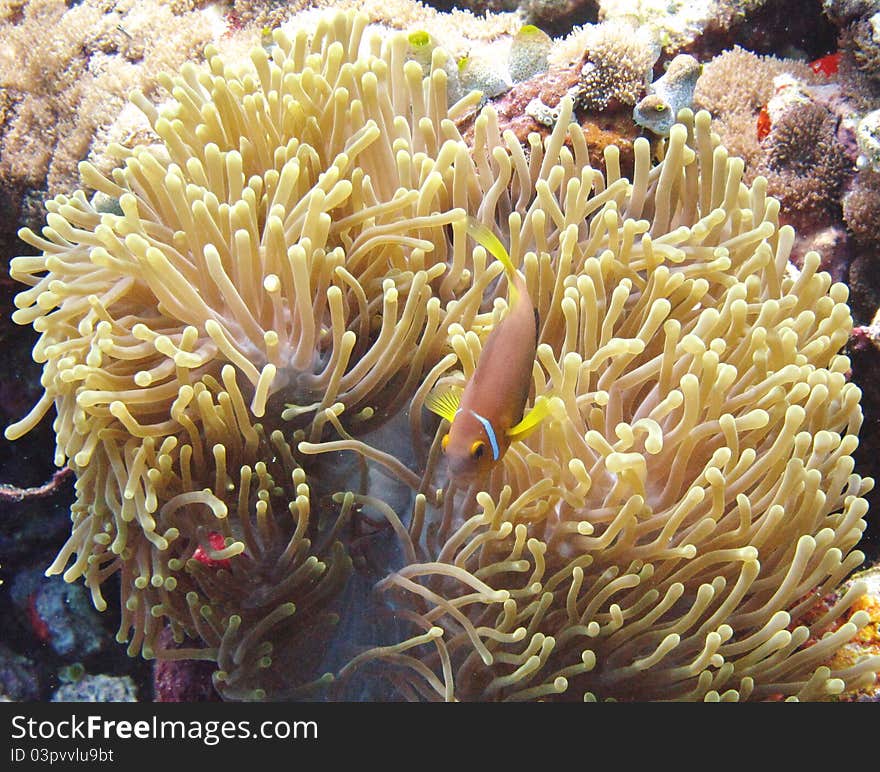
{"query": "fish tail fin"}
pixel 485 238
pixel 530 421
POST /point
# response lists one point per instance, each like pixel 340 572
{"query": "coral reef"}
pixel 797 125
pixel 66 70
pixel 734 87
pixel 239 329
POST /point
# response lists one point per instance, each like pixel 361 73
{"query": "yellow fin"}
pixel 485 238
pixel 444 402
pixel 540 410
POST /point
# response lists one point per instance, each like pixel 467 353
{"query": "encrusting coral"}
pixel 290 268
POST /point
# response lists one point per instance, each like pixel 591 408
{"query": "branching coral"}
pixel 666 534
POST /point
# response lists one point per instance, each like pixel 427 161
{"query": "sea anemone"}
pixel 283 257
pixel 615 60
pixel 666 533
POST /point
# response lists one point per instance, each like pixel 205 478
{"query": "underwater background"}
pixel 337 571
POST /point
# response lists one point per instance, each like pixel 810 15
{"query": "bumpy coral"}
pixel 289 268
pixel 666 533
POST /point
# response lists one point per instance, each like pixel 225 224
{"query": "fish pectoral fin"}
pixel 530 421
pixel 444 402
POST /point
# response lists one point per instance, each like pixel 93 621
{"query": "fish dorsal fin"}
pixel 540 410
pixel 485 238
pixel 444 401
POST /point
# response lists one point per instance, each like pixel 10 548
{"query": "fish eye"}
pixel 477 449
pixel 445 441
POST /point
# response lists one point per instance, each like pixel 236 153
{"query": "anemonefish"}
pixel 487 415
